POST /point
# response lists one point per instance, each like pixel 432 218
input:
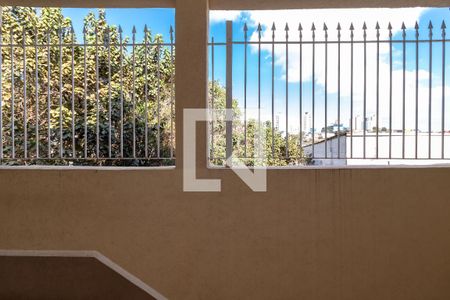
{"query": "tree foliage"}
pixel 134 84
pixel 259 144
pixel 102 95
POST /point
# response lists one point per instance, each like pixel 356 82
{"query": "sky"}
pixel 331 18
pixel 160 20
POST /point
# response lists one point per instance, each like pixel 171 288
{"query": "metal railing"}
pixel 103 101
pixel 389 85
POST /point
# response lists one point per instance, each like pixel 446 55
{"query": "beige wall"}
pixel 233 4
pixel 316 234
pixel 68 278
pixel 285 4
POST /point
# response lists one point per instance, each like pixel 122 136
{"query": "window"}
pixel 79 88
pixel 333 87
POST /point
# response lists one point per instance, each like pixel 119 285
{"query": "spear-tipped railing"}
pixel 103 101
pixel 377 136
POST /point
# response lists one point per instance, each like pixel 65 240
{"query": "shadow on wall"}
pixel 64 277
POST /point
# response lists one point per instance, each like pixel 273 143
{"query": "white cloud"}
pixel 331 18
pixel 216 16
pixel 356 16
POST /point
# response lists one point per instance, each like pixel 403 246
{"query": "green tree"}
pixel 245 142
pixel 101 89
pixel 91 95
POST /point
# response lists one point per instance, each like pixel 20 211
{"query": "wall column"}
pixel 191 70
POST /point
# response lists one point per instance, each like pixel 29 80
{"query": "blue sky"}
pixel 159 21
pixel 332 17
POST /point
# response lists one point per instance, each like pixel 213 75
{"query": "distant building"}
pixel 335 128
pixel 307 123
pixel 329 152
pixel 371 122
pixel 357 123
pixel 353 150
